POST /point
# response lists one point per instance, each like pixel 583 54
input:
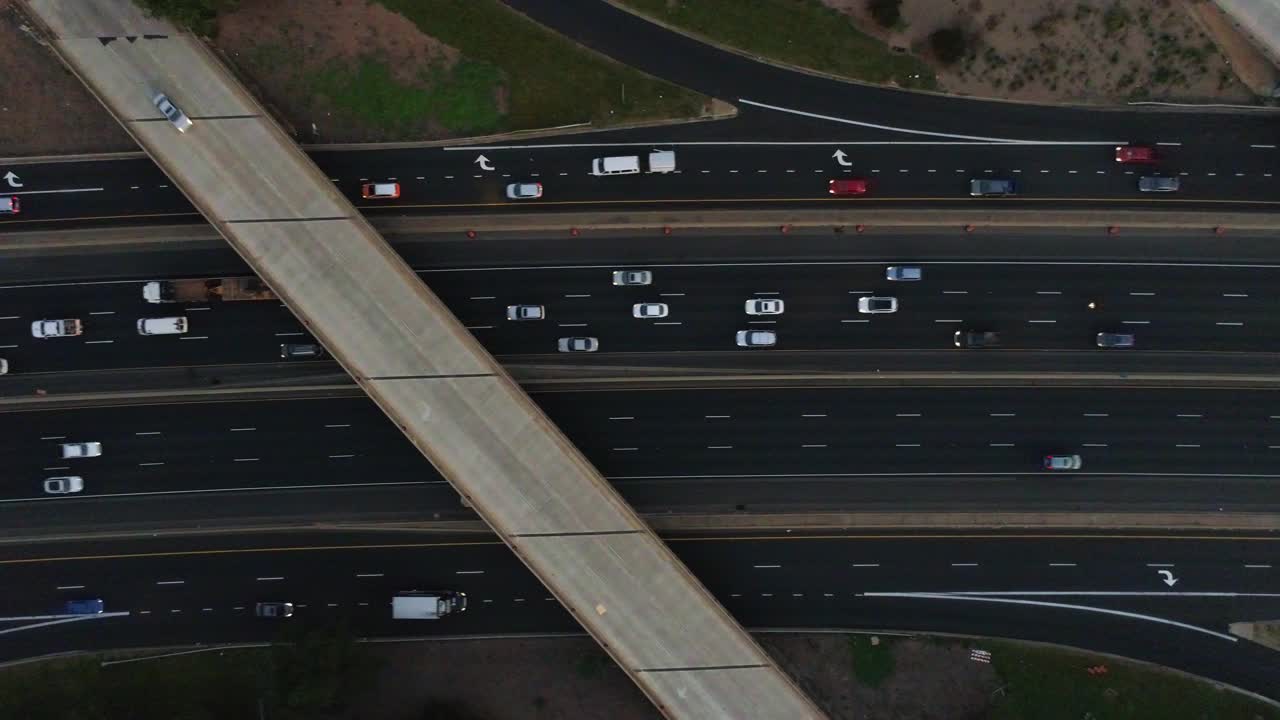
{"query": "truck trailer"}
pixel 427 604
pixel 208 290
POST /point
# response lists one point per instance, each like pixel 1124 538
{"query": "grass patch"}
pixel 1052 684
pixel 462 98
pixel 551 80
pixel 799 32
pixel 872 663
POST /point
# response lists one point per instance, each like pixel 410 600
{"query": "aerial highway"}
pixel 907 448
pixel 1162 598
pixel 1033 305
pixel 908 170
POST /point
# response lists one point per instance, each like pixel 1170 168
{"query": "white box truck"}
pixel 660 161
pixel 427 604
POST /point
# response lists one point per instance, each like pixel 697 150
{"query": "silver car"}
pixel 1158 183
pixel 765 306
pixel 578 344
pixel 524 191
pixel 1062 462
pixel 632 277
pixel 176 117
pixel 647 311
pixel 64 484
pixel 756 338
pixel 872 305
pixel 1115 340
pixel 81 450
pixel 526 312
pixel 903 273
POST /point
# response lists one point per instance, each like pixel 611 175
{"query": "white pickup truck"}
pixel 427 605
pixel 56 328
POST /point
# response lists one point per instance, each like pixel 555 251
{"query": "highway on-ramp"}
pixel 1163 598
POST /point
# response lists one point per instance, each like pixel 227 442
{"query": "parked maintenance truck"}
pixel 427 604
pixel 207 290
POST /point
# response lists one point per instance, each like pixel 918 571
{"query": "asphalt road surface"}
pixel 910 447
pixel 1033 305
pixel 1163 599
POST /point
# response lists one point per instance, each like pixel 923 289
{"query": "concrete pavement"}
pixel 421 366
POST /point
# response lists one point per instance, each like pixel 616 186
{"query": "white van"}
pixel 162 326
pixel 616 165
pixel 662 161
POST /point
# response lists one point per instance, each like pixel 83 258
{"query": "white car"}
pixel 649 310
pixel 64 484
pixel 765 306
pixel 578 344
pixel 632 277
pixel 524 191
pixel 4 366
pixel 162 326
pixel 10 205
pixel 757 338
pixel 176 117
pixel 875 305
pixel 56 328
pixel 81 450
pixel 526 312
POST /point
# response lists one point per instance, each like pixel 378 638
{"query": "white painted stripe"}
pixel 1063 606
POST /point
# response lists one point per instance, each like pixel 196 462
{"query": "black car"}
pixel 301 351
pixel 977 339
pixel 273 609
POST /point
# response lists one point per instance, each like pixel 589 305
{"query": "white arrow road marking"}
pixel 839 156
pixel 1169 579
pixel 483 162
pixel 13 179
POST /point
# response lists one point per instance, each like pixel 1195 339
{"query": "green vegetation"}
pixel 886 13
pixel 1114 20
pixel 461 98
pixel 872 663
pixel 302 681
pixel 949 45
pixel 551 81
pixel 195 15
pixel 1053 684
pixel 799 32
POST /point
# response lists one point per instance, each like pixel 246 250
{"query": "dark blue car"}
pixel 91 606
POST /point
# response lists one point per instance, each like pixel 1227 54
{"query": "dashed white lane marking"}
pixel 955 292
pixel 148 432
pixel 1048 292
pixel 813 446
pixel 273 578
pixel 948 321
pixel 64 437
pixel 1062 564
pixel 1135 322
pixel 1042 322
pixel 719 447
pixel 1235 295
pixel 1095 445
pixel 368 575
pixel 468 572
pixel 814 415
pixel 289 334
pixel 1229 324
pixel 1263 147
pixel 766 567
pixel 1189 415
pixel 99 342
pixel 58 467
pixel 573 324
pixel 150 464
pixel 1187 445
pixel 1142 294
pixel 1000 445
pixel 624 449
pixel 1003 414
pixel 1097 415
pixel 483 297
pixel 865 565
pixel 964 564
pixel 479 327
pixel 1257 566
pixel 583 295
pixel 171 582
pixel 623 417
pixel 198 337
pixel 338 425
pixel 81 587
pixel 246 460
pixel 717 417
pixel 854 321
pixel 104 312
pixel 907 445
pixel 242 429
pixel 338 457
pixel 907 415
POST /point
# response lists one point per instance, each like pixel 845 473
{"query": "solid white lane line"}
pixel 1065 606
pixel 854 321
pixel 483 297
pixel 289 334
pixel 955 292
pixel 948 321
pixel 573 324
pixel 58 467
pixel 579 296
pixel 668 323
pixel 479 327
pixel 64 437
pixel 624 449
pixel 1048 292
pixel 670 294
pixel 719 447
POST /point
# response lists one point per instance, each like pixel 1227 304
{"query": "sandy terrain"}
pixel 44 108
pixel 1094 51
pixel 569 679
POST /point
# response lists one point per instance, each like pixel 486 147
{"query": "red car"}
pixel 10 205
pixel 1135 155
pixel 851 186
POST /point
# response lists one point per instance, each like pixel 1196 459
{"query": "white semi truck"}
pixel 427 604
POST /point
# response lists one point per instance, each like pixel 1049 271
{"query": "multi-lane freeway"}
pixel 1059 306
pixel 946 447
pixel 1109 594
